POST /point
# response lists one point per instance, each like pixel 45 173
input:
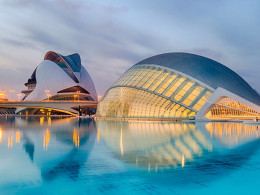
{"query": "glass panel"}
pixel 158 81
pixel 152 78
pixel 193 95
pixel 131 102
pixel 231 109
pixel 175 84
pixel 202 100
pixel 134 75
pixel 137 76
pixel 141 76
pixel 149 74
pixel 166 83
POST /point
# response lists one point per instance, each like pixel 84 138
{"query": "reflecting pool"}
pixel 72 155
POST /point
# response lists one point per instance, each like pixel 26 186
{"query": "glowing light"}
pixel 17 137
pixel 10 142
pixel 76 138
pixel 48 93
pixel 49 121
pixel 98 135
pixel 78 95
pixel 121 143
pixel 182 160
pixel 19 96
pixel 46 139
pixel 1 133
pixel 41 120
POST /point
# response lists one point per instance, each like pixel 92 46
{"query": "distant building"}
pixel 180 86
pixel 59 77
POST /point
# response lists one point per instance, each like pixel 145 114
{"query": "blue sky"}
pixel 113 35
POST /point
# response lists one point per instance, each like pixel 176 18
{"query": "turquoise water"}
pixel 80 156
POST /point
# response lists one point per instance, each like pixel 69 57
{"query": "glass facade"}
pixel 229 108
pixel 153 92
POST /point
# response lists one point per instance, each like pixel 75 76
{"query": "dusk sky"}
pixel 111 36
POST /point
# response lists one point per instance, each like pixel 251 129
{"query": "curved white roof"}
pixel 59 72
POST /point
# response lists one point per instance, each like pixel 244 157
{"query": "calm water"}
pixel 79 156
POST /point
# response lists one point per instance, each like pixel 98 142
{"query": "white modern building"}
pixel 180 86
pixel 59 77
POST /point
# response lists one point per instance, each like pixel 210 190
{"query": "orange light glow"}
pixel 76 138
pixel 19 96
pixel 1 133
pixel 182 160
pixel 41 120
pixel 46 139
pixel 17 137
pixel 10 142
pixel 121 143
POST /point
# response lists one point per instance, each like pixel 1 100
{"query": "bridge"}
pixel 60 105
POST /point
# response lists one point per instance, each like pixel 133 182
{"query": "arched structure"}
pixel 180 86
pixel 59 77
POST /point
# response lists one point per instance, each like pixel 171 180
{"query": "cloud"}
pixel 113 36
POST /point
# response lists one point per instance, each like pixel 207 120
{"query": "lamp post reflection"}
pixel 46 139
pixel 1 133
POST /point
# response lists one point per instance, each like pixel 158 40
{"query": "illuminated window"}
pixel 149 74
pixel 165 83
pixel 139 99
pixel 202 100
pixel 130 102
pixel 193 95
pixel 174 85
pixel 183 90
pixel 229 108
pixel 158 80
pixel 152 78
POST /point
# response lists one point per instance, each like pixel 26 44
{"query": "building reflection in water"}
pixel 78 138
pixel 61 147
pixel 160 145
pixel 232 134
pixel 57 146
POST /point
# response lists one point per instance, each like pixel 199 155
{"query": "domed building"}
pixel 59 77
pixel 180 86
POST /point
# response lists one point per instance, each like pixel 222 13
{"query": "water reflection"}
pixel 159 145
pixel 58 147
pixel 71 149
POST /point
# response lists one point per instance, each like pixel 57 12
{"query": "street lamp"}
pixel 19 96
pixel 48 93
pixel 2 96
pixel 99 97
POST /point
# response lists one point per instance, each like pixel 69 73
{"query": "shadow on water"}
pixel 183 153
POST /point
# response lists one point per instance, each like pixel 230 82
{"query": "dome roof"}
pixel 207 71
